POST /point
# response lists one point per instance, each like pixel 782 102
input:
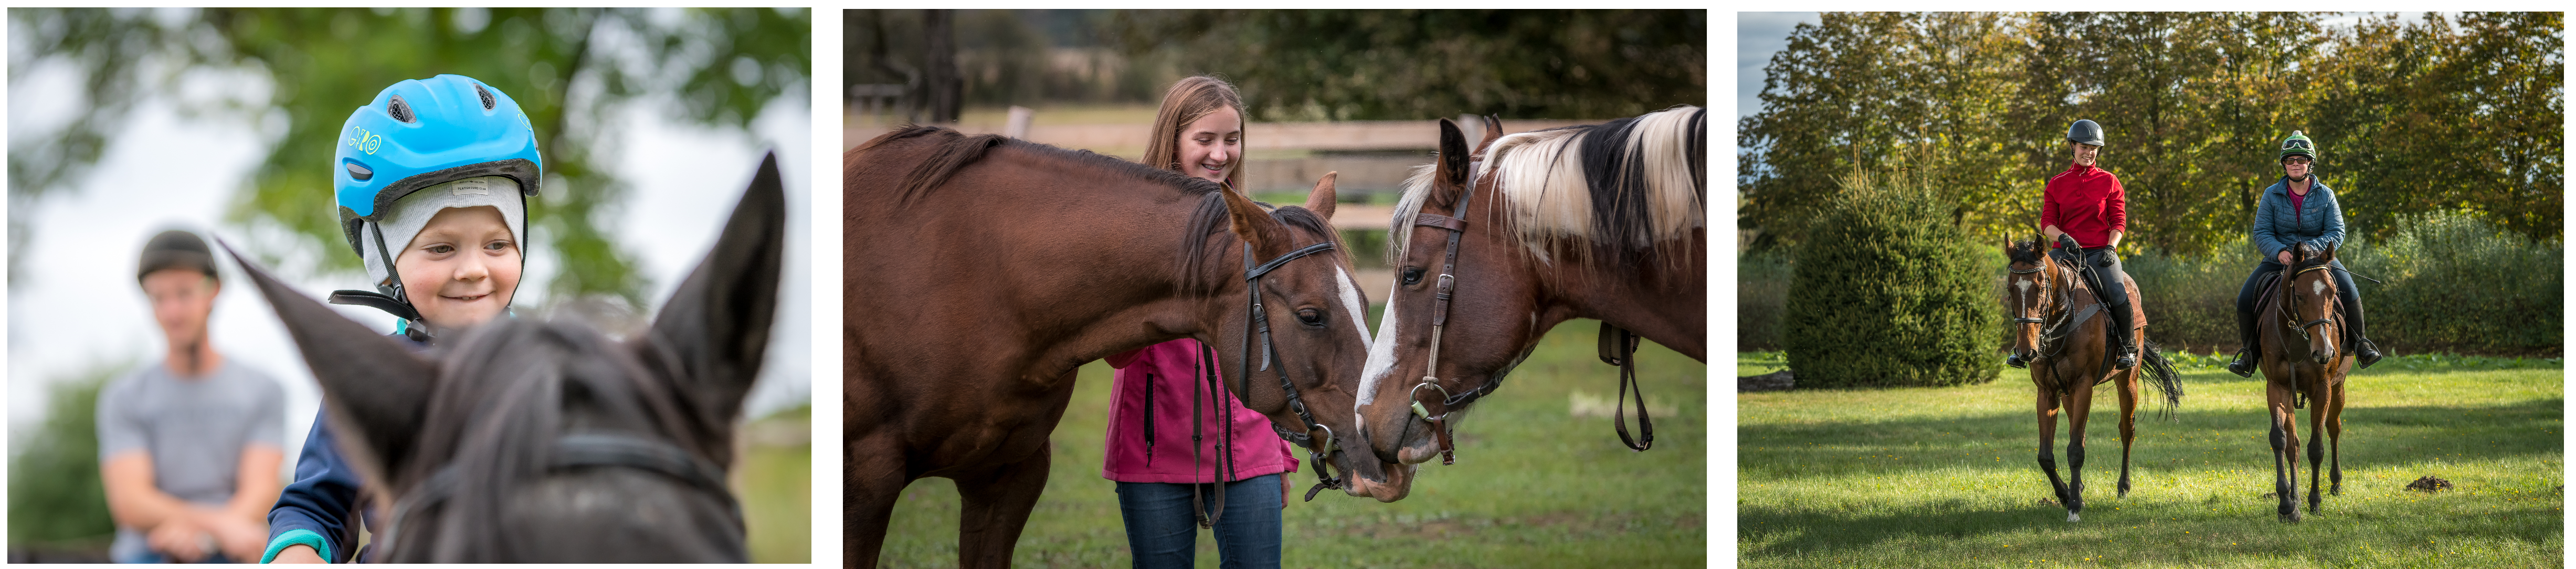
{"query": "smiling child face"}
pixel 1212 143
pixel 462 268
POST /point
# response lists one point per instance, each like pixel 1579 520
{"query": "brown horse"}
pixel 2302 359
pixel 981 271
pixel 2059 331
pixel 1492 250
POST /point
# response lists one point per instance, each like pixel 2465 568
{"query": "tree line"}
pixel 2438 116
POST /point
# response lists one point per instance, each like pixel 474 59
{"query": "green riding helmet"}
pixel 2298 145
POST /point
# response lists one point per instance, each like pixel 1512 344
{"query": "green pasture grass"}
pixel 1534 486
pixel 776 486
pixel 1947 477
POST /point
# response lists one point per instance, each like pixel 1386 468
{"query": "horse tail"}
pixel 2160 373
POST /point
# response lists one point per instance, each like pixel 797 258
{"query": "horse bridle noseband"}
pixel 587 450
pixel 1618 346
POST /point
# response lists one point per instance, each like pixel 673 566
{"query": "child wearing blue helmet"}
pixel 432 185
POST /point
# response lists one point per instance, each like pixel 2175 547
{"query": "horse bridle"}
pixel 1618 346
pixel 1259 323
pixel 2290 313
pixel 589 450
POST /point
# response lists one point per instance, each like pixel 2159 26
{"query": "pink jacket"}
pixel 1257 449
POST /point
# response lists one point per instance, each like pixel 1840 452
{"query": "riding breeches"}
pixel 2346 294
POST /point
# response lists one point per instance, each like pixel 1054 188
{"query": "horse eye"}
pixel 1311 317
pixel 1412 275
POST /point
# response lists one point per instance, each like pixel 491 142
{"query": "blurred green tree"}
pixel 571 70
pixel 55 495
pixel 2412 118
pixel 1424 64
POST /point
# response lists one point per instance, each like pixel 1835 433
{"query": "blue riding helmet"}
pixel 417 134
pixel 423 132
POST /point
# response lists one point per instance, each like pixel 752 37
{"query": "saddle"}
pixel 2137 309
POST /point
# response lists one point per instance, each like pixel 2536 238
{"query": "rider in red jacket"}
pixel 2082 209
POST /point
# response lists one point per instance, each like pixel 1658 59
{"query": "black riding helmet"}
pixel 2085 132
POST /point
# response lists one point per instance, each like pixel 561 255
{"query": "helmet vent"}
pixel 399 110
pixel 486 95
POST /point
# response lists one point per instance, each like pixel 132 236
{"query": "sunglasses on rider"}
pixel 2288 161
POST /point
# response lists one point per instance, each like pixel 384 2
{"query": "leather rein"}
pixel 1618 346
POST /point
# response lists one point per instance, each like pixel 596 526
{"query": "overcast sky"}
pixel 78 307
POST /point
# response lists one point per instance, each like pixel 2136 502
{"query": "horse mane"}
pixel 952 151
pixel 497 412
pixel 1210 224
pixel 1621 186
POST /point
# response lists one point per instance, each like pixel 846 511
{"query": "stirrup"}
pixel 2369 353
pixel 2242 367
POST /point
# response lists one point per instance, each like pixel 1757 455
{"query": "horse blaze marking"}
pixel 2317 286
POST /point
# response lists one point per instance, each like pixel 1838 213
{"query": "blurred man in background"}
pixel 189 447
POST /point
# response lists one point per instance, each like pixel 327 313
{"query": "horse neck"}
pixel 1657 298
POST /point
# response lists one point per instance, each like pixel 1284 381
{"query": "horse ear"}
pixel 716 326
pixel 1493 132
pixel 375 391
pixel 1321 200
pixel 1254 225
pixel 1450 178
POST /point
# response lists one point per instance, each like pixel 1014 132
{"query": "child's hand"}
pixel 1284 485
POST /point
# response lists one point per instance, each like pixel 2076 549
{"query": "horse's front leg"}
pixel 2316 447
pixel 2334 430
pixel 2285 458
pixel 2047 441
pixel 2079 410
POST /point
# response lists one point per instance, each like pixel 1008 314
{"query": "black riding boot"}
pixel 2245 356
pixel 2349 296
pixel 2121 331
pixel 2111 287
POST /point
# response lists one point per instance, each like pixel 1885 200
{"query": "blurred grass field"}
pixel 1535 486
pixel 775 483
pixel 1946 477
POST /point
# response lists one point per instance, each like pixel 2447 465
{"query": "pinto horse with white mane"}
pixel 1533 229
pixel 980 271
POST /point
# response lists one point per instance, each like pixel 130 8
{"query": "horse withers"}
pixel 549 442
pixel 2304 357
pixel 2060 332
pixel 1496 246
pixel 979 272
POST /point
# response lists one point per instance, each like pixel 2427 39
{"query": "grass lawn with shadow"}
pixel 1947 477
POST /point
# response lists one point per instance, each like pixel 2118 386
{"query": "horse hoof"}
pixel 2290 518
pixel 2072 517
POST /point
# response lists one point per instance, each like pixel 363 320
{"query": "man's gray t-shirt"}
pixel 193 428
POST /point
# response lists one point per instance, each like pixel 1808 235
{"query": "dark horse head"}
pixel 550 442
pixel 2034 289
pixel 2309 308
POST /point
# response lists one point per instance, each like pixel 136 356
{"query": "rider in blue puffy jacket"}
pixel 432 185
pixel 2298 209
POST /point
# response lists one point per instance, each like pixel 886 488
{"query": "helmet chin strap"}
pixel 389 295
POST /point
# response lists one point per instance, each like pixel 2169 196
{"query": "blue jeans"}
pixel 1162 532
